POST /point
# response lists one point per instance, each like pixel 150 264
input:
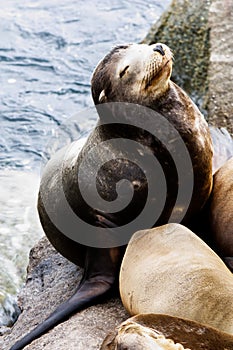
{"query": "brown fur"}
pixel 133 334
pixel 147 82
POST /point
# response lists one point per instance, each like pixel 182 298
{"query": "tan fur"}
pixel 169 270
pixel 221 209
pixel 163 332
pixel 132 333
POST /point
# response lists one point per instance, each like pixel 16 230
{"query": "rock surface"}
pixel 220 106
pixel 52 279
pixel 199 34
pixel 184 27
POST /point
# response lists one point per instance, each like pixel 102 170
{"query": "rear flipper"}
pixel 100 274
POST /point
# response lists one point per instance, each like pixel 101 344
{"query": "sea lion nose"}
pixel 159 49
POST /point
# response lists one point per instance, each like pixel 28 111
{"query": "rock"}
pixel 51 279
pixel 220 75
pixel 184 27
pixel 199 34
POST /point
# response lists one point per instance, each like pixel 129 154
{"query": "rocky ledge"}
pixel 51 279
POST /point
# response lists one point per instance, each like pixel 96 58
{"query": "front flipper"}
pixel 100 275
pixel 105 221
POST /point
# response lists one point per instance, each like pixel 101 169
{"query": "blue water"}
pixel 48 51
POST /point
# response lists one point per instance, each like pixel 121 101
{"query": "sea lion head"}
pixel 164 332
pixel 135 73
pixel 132 335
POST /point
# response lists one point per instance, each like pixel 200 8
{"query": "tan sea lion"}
pixel 169 270
pixel 221 210
pixel 163 332
pixel 138 75
pixel 214 222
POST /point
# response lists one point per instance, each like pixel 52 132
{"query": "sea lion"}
pixel 219 207
pixel 136 75
pixel 216 234
pixel 163 332
pixel 170 270
pixel 221 210
pixel 215 221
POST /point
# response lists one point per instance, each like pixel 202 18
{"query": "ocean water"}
pixel 48 51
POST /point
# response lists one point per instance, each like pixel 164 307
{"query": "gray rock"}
pixel 220 106
pixel 184 27
pixel 200 36
pixel 51 279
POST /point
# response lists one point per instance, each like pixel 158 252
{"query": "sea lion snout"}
pixel 159 49
pixel 162 49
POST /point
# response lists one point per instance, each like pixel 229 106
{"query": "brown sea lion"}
pixel 137 76
pixel 163 332
pixel 170 270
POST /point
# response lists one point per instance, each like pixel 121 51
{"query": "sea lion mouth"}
pixel 155 76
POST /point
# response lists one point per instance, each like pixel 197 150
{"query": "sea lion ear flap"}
pixel 102 97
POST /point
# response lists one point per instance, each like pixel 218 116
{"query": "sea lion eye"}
pixel 123 71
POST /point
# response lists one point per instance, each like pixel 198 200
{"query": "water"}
pixel 48 50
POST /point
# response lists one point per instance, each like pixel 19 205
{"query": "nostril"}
pixel 159 49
